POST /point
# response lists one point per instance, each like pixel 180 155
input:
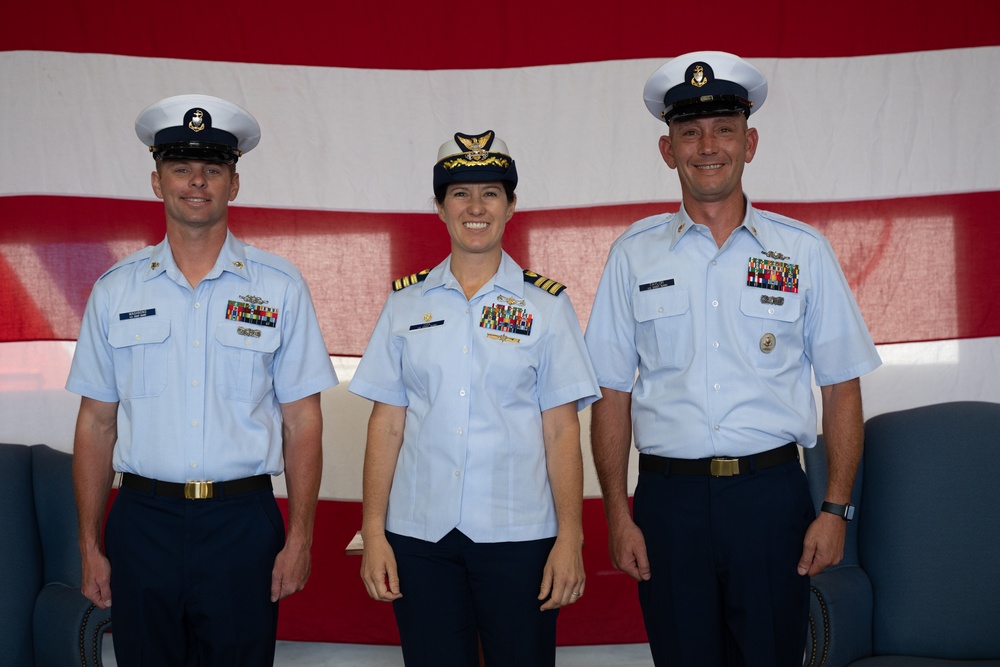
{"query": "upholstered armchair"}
pixel 920 582
pixel 44 619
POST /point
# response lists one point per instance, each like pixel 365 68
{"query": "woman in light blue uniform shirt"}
pixel 473 476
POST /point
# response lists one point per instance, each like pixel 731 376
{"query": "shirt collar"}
pixel 509 277
pixel 682 224
pixel 232 258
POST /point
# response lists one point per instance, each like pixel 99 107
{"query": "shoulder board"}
pixel 406 281
pixel 547 284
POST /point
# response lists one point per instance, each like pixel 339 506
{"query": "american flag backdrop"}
pixel 880 129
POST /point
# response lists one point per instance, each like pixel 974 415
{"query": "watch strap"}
pixel 845 512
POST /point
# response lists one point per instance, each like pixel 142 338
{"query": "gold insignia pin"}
pixel 197 123
pixel 699 79
pixel 475 146
pixel 767 343
pixel 154 266
pixel 503 338
pixel 427 317
pixel 238 264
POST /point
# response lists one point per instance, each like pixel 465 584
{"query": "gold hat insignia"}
pixel 197 123
pixel 699 79
pixel 475 146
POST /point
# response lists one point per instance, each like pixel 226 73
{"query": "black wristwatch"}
pixel 845 512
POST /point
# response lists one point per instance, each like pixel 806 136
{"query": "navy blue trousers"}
pixel 723 551
pixel 191 579
pixel 456 589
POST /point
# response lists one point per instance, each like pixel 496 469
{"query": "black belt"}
pixel 195 490
pixel 719 466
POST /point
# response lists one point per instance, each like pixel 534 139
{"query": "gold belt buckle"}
pixel 724 467
pixel 197 490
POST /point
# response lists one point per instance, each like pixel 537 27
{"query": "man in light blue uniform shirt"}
pixel 705 332
pixel 200 362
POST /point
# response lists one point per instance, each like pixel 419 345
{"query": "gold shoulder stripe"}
pixel 406 281
pixel 547 284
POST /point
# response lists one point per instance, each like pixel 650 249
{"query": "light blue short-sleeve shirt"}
pixel 717 345
pixel 475 376
pixel 199 374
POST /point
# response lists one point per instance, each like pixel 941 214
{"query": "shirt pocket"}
pixel 140 356
pixel 772 322
pixel 664 327
pixel 243 363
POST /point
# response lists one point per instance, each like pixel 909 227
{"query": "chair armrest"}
pixel 840 617
pixel 69 629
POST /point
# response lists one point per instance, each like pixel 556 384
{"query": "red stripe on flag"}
pixel 918 266
pixel 408 35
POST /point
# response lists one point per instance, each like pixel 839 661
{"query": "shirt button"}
pixel 459 431
pixel 770 311
pixel 465 349
pixel 138 337
pixel 715 344
pixel 660 309
pixel 717 386
pixel 715 262
pixel 247 341
pixel 715 304
pixel 194 422
pixel 194 383
pixel 194 464
pixel 458 473
pixel 461 392
pixel 197 344
pixel 716 427
pixel 197 304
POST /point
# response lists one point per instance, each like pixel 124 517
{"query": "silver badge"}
pixel 767 343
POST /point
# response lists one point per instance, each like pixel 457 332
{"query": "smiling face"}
pixel 709 153
pixel 195 193
pixel 476 214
